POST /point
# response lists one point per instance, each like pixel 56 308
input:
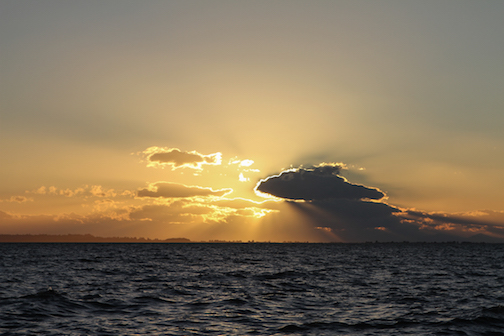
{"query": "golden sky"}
pixel 368 120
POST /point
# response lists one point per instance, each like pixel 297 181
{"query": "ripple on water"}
pixel 237 289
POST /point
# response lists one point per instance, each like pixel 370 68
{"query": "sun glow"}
pixel 246 163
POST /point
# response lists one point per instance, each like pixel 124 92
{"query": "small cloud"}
pixel 41 191
pixel 71 193
pixel 243 178
pixel 128 193
pixel 175 190
pixel 98 191
pixel 174 157
pixel 17 199
pixel 104 204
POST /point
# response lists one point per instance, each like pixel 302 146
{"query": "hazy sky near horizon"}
pixel 159 118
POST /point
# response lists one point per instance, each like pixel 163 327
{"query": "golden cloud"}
pixel 174 157
pixel 17 199
pixel 176 190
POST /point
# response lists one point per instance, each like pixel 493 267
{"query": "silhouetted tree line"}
pixel 82 238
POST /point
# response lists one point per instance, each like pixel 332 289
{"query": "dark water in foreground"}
pixel 251 289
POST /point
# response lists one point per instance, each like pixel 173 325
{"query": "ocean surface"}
pixel 251 289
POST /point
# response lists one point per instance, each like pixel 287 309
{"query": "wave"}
pixel 238 290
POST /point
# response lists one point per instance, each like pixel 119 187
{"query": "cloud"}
pixel 317 183
pixel 358 221
pixel 17 199
pixel 333 206
pixel 84 191
pixel 174 213
pixel 98 191
pixel 343 211
pixel 488 222
pixel 42 190
pixel 175 190
pixel 174 157
pixel 203 218
pixel 318 205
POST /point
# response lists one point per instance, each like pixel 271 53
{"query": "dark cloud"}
pixel 332 204
pixel 177 158
pixel 175 190
pixel 356 220
pixel 480 223
pixel 467 219
pixel 345 211
pixel 317 183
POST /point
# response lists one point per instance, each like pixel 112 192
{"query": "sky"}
pixel 253 120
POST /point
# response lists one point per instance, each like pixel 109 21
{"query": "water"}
pixel 251 289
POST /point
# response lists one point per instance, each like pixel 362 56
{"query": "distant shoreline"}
pixel 88 238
